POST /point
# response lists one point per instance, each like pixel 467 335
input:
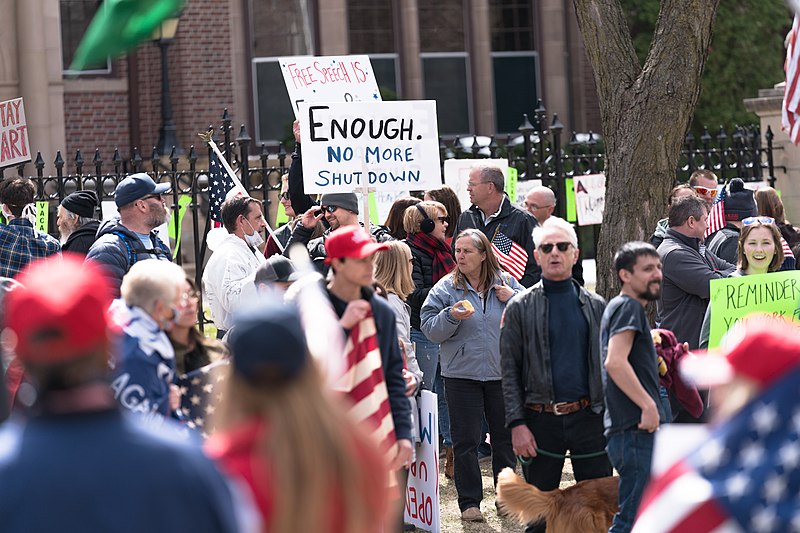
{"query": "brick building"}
pixel 484 61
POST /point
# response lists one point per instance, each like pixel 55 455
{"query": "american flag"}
pixel 512 256
pixel 746 477
pixel 221 184
pixel 201 393
pixel 790 110
pixel 716 217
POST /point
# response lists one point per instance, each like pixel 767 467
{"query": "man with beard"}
pixel 76 223
pixel 130 237
pixel 550 356
pixel 633 407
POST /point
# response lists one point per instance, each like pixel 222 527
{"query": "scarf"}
pixel 443 261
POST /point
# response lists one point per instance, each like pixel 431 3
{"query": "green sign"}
pixel 183 201
pixel 42 216
pixel 572 214
pixel 512 176
pixel 732 299
pixel 373 209
pixel 281 217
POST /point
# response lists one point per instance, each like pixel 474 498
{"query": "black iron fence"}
pixel 537 151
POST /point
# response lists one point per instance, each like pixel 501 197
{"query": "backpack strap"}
pixel 133 254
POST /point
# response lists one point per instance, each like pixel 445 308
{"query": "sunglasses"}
pixel 562 247
pixel 330 208
pixel 757 220
pixel 443 220
pixel 151 196
pixel 705 191
pixel 284 195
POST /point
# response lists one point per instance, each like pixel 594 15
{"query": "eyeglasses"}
pixel 284 195
pixel 151 196
pixel 190 295
pixel 330 208
pixel 758 220
pixel 562 247
pixel 534 206
pixel 470 184
pixel 443 220
pixel 705 191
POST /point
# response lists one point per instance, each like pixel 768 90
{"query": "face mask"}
pixel 255 240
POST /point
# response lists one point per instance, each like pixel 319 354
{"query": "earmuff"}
pixel 428 224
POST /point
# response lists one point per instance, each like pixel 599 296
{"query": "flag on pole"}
pixel 716 217
pixel 746 477
pixel 220 184
pixel 790 111
pixel 512 256
pixel 119 26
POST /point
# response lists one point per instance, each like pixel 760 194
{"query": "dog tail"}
pixel 521 499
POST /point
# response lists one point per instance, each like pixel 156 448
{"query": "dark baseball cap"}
pixel 137 186
pixel 277 268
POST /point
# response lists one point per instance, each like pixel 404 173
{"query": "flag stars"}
pixel 763 520
pixel 765 417
pixel 774 488
pixel 795 523
pixel 751 454
pixel 712 455
pixel 195 400
pixel 737 485
pixel 789 455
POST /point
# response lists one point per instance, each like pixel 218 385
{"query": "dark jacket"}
pixel 284 233
pixel 117 248
pixel 301 202
pixel 515 223
pixel 82 238
pixel 316 247
pixel 422 275
pixel 724 243
pixel 685 287
pixel 525 351
pixel 391 358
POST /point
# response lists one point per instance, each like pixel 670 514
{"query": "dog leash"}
pixel 571 456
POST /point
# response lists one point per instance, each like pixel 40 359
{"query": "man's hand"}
pixel 312 216
pixel 411 382
pixel 649 421
pixel 296 130
pixel 503 292
pixel 403 455
pixel 354 313
pixel 522 441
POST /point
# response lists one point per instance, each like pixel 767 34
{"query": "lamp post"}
pixel 163 36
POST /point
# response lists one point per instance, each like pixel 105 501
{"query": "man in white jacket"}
pixel 231 270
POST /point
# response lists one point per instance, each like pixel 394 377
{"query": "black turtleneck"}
pixel 569 341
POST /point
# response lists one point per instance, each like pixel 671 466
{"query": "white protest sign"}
pixel 14 147
pixel 422 493
pixel 109 210
pixel 456 175
pixel 329 79
pixel 590 198
pixel 393 146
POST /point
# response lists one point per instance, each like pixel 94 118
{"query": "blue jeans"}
pixel 631 453
pixel 427 353
pixel 663 395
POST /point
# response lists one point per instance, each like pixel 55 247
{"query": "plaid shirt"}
pixel 20 243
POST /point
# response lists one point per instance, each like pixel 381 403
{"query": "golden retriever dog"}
pixel 586 507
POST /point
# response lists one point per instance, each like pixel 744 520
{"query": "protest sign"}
pixel 456 175
pixel 422 493
pixel 42 216
pixel 329 79
pixel 14 147
pixel 389 146
pixel 590 197
pixel 732 299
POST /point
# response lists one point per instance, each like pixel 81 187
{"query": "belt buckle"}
pixel 556 407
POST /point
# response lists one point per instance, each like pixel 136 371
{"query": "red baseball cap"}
pixel 60 312
pixel 351 241
pixel 761 348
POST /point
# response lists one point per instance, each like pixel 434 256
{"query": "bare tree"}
pixel 646 111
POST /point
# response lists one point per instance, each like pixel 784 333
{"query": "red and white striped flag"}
pixel 512 256
pixel 787 251
pixel 791 97
pixel 716 217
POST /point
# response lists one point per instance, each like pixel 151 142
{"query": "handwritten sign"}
pixel 422 493
pixel 590 198
pixel 329 79
pixel 42 216
pixel 456 175
pixel 14 147
pixel 732 299
pixel 393 146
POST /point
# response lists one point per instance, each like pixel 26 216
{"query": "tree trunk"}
pixel 645 113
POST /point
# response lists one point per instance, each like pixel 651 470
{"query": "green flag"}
pixel 119 26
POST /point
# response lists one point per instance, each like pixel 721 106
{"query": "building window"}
pixel 280 29
pixel 385 68
pixel 75 18
pixel 511 25
pixel 274 114
pixel 441 26
pixel 446 81
pixel 371 26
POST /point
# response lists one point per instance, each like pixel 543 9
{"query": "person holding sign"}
pixel 760 252
pixel 20 242
pixel 463 312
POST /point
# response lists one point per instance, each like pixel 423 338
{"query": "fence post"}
pixel 226 134
pixel 561 187
pixel 770 162
pixel 526 129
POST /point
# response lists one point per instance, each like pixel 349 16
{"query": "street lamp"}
pixel 163 36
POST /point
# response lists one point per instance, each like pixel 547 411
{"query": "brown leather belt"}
pixel 560 408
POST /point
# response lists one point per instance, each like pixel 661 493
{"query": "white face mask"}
pixel 255 240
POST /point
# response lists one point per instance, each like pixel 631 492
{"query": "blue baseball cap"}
pixel 268 344
pixel 137 186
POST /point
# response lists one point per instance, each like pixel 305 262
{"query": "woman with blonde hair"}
pixel 770 205
pixel 288 439
pixel 463 312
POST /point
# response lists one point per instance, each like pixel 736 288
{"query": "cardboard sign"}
pixel 590 198
pixel 732 299
pixel 422 493
pixel 14 147
pixel 42 216
pixel 329 79
pixel 392 146
pixel 456 175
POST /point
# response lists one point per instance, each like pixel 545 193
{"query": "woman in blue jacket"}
pixel 462 312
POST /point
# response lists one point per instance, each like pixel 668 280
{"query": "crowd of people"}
pixel 484 306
